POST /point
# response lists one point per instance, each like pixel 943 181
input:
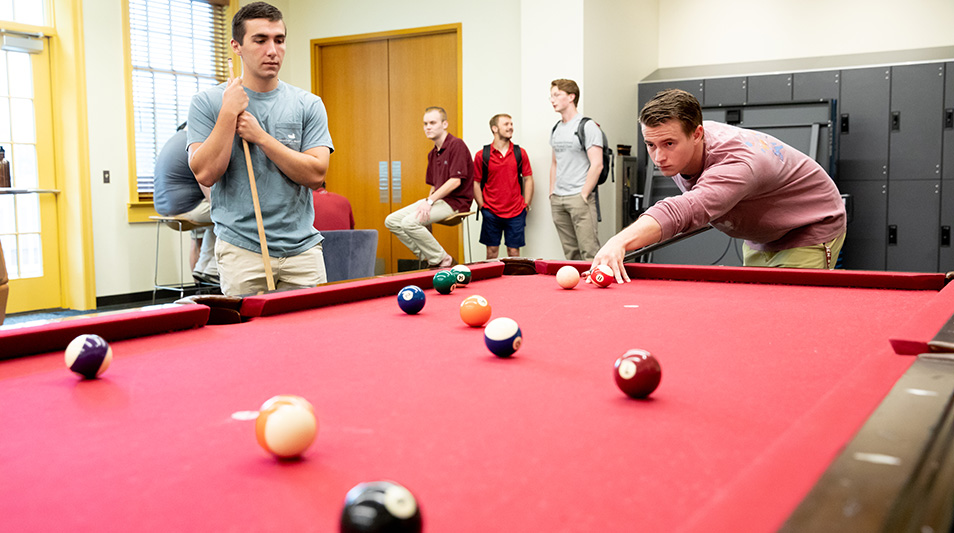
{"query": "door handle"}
pixel 892 235
pixel 383 181
pixel 396 182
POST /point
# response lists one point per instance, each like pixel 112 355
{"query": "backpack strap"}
pixel 580 134
pixel 519 157
pixel 486 158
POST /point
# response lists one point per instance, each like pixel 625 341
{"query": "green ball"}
pixel 463 274
pixel 445 281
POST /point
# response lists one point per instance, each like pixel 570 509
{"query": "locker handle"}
pixel 945 235
pixel 949 119
pixel 895 121
pixel 892 234
pixel 844 123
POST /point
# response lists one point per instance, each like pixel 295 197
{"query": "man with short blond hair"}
pixel 504 196
pixel 450 175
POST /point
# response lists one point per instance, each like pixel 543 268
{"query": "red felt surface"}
pixel 762 384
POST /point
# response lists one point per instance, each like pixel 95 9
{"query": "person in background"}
pixel 450 174
pixel 504 197
pixel 177 193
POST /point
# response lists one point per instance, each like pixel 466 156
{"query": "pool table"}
pixel 767 375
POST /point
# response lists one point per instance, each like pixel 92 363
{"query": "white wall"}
pixel 703 32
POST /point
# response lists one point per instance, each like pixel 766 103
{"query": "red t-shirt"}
pixel 332 211
pixel 452 161
pixel 501 193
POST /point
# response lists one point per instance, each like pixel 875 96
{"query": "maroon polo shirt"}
pixel 452 161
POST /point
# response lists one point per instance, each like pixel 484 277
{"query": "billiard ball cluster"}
pixel 568 276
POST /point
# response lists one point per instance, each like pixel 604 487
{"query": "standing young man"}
pixel 287 133
pixel 747 184
pixel 504 199
pixel 574 174
pixel 450 175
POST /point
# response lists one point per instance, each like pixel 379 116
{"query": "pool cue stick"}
pixel 672 240
pixel 269 278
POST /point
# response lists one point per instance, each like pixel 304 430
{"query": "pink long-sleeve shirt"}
pixel 757 188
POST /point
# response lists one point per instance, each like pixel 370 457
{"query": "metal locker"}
pixel 725 91
pixel 864 247
pixel 945 256
pixel 916 121
pixel 947 163
pixel 913 214
pixel 820 86
pixel 648 90
pixel 771 89
pixel 863 124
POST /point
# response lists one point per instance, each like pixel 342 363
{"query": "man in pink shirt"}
pixel 746 184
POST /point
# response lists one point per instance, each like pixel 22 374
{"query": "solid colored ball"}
pixel 411 299
pixel 568 277
pixel 286 425
pixel 602 276
pixel 88 356
pixel 475 311
pixel 637 373
pixel 463 274
pixel 445 281
pixel 380 506
pixel 503 337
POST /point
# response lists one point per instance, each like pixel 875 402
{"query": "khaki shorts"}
pixel 243 272
pixel 824 255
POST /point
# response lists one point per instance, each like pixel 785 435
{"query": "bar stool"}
pixel 454 220
pixel 181 225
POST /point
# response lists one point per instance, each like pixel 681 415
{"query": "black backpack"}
pixel 516 153
pixel 607 151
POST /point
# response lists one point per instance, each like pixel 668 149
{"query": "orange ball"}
pixel 286 425
pixel 475 311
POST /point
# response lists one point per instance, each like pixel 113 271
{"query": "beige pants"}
pixel 575 222
pixel 824 255
pixel 404 224
pixel 243 272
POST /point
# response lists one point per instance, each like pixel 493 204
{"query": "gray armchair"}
pixel 349 254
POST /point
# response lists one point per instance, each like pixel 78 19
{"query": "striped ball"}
pixel 88 356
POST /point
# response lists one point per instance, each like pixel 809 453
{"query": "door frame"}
pixel 456 28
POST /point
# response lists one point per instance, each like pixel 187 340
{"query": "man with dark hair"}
pixel 178 194
pixel 747 184
pixel 574 173
pixel 450 175
pixel 286 129
pixel 504 198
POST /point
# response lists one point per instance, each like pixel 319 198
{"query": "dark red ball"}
pixel 637 373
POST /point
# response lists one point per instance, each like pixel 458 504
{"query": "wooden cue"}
pixel 269 278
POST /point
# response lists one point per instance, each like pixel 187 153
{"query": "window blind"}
pixel 178 48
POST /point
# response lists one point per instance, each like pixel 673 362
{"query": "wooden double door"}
pixel 375 89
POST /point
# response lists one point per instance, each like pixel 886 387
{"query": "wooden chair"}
pixel 181 225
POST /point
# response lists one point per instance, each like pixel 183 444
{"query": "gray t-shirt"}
pixel 298 120
pixel 176 190
pixel 571 161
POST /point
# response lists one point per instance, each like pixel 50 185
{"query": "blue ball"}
pixel 502 336
pixel 88 355
pixel 411 299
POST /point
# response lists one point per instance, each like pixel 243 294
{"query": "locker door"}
pixel 913 214
pixel 725 91
pixel 945 258
pixel 916 121
pixel 865 244
pixel 772 89
pixel 810 86
pixel 863 124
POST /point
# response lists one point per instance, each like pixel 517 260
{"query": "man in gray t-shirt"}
pixel 574 174
pixel 286 129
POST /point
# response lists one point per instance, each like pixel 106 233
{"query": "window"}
pixel 177 48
